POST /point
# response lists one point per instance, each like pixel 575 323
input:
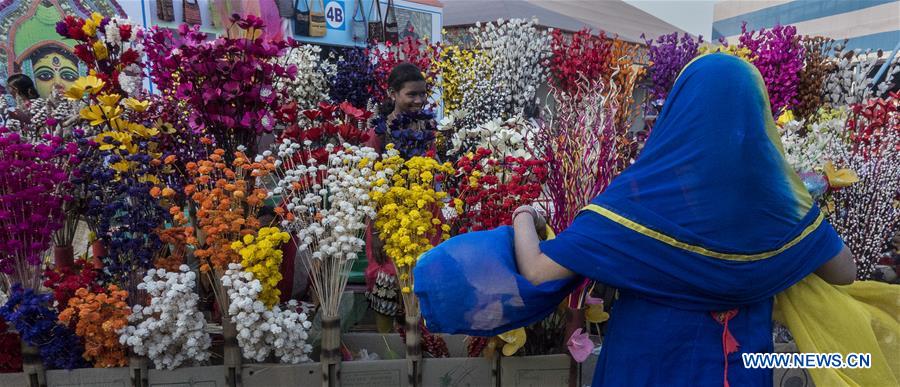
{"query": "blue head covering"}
pixel 710 216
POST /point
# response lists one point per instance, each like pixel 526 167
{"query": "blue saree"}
pixel 698 234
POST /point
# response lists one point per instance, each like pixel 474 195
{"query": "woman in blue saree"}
pixel 698 236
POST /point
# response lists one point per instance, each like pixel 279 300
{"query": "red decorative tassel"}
pixel 729 343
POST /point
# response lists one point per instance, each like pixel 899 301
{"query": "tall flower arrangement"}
pixel 458 69
pixel 314 73
pixel 33 189
pixel 261 330
pixel 580 148
pixel 226 198
pixel 107 47
pixel 811 86
pixel 809 144
pixel 33 316
pixel 511 137
pixel 228 84
pixel 327 124
pixel 487 188
pixel 865 213
pixel 667 55
pixel 408 213
pixel 326 209
pixel 355 73
pixel 779 57
pixel 412 133
pixel 582 55
pixel 518 50
pixel 849 82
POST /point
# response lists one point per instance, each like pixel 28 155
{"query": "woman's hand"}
pixel 539 220
pixel 536 267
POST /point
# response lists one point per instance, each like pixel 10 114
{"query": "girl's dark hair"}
pixel 23 85
pixel 400 74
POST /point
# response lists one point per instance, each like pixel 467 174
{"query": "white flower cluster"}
pixel 171 330
pixel 511 137
pixel 330 203
pixel 850 82
pixel 262 331
pixel 822 142
pixel 313 74
pixel 518 50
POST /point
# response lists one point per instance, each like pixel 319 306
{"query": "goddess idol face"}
pixel 53 70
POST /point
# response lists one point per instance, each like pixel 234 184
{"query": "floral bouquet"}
pixel 486 189
pixel 98 317
pixel 779 57
pixel 314 74
pixel 578 56
pixel 512 137
pixel 412 133
pixel 408 212
pixel 353 78
pixel 313 130
pixel 518 51
pixel 865 213
pixel 34 317
pixel 33 189
pixel 170 329
pixel 229 84
pixel 326 208
pixel 667 55
pixel 108 48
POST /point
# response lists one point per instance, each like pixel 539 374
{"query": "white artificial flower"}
pixel 170 330
pixel 262 331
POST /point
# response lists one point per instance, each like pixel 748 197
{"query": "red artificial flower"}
pixel 84 53
pixel 129 57
pixel 125 32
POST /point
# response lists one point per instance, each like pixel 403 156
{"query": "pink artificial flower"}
pixel 580 345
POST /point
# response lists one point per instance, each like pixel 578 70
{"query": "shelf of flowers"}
pixel 191 218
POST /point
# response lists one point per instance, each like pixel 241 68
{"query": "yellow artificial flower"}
pixel 100 50
pixel 785 117
pixel 109 100
pixel 94 114
pixel 89 28
pixel 121 166
pixel 515 339
pixel 90 84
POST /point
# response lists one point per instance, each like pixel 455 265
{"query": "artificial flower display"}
pixel 408 212
pixel 98 317
pixel 262 330
pixel 170 330
pixel 261 257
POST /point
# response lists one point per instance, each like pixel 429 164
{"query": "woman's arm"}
pixel 840 270
pixel 536 267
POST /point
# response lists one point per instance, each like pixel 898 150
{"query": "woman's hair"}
pixel 400 74
pixel 23 85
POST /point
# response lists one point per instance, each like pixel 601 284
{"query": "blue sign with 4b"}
pixel 336 15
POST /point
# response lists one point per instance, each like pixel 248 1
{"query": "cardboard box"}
pixel 381 373
pixel 387 346
pixel 93 377
pixel 535 371
pixel 13 379
pixel 276 375
pixel 209 376
pixel 458 372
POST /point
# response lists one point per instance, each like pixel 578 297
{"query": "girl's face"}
pixel 410 97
